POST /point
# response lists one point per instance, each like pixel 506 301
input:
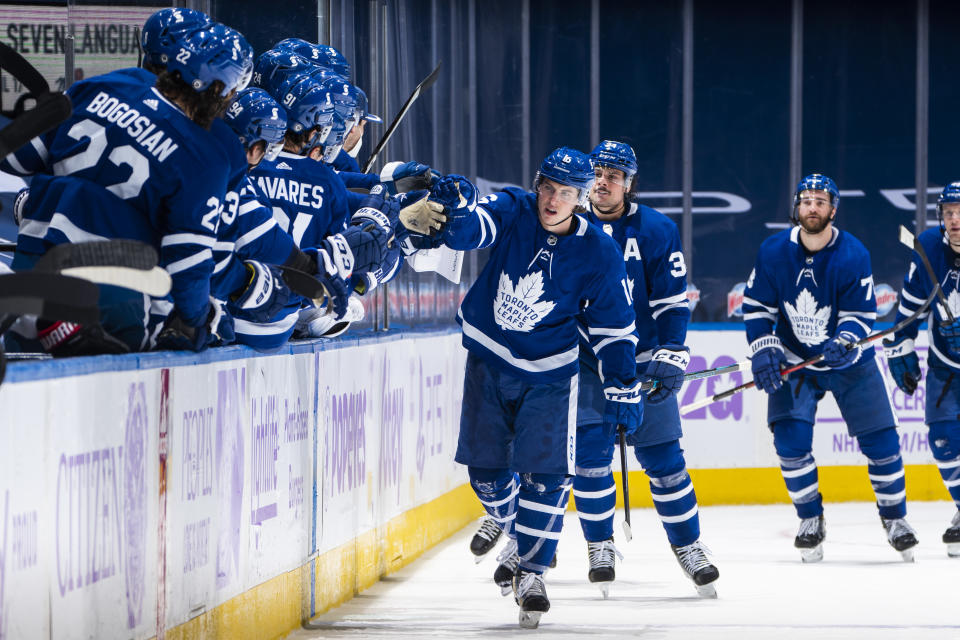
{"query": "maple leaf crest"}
pixel 953 302
pixel 809 322
pixel 520 308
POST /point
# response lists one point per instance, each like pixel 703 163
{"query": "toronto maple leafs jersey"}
pixel 807 298
pixel 125 136
pixel 308 199
pixel 520 314
pixel 656 274
pixel 917 288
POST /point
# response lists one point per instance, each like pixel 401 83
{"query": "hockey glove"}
pixel 177 335
pixel 66 339
pixel 334 268
pixel 841 350
pixel 766 362
pixel 264 295
pixel 454 192
pixel 904 364
pixel 321 323
pixel 624 406
pixel 400 177
pixel 951 333
pixel 666 370
pixel 422 216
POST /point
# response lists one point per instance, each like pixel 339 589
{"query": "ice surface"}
pixel 861 589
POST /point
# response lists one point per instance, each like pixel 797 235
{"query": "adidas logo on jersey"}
pixel 284 165
pixel 152 103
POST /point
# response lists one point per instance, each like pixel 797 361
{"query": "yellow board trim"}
pixel 276 607
pixel 279 605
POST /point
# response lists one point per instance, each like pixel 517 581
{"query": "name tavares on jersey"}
pixel 137 126
pixel 299 193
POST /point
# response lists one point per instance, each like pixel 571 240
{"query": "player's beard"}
pixel 814 227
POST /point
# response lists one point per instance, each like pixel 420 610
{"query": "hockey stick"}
pixel 425 84
pixel 624 480
pixel 49 295
pixel 699 404
pixel 51 109
pixel 123 263
pixel 650 385
pixel 911 241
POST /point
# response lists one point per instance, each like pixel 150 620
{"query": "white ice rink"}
pixel 861 589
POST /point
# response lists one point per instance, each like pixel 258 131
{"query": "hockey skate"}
pixel 507 563
pixel 602 556
pixel 693 560
pixel 485 539
pixel 531 595
pixel 810 538
pixel 901 536
pixel 951 537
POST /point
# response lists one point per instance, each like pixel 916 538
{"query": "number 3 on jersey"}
pixel 679 266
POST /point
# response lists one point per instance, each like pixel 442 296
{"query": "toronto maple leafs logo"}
pixel 809 322
pixel 520 308
pixel 953 301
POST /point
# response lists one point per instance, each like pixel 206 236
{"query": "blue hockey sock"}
pixel 497 490
pixel 803 485
pixel 885 466
pixel 950 472
pixel 676 504
pixel 595 495
pixel 945 445
pixel 542 500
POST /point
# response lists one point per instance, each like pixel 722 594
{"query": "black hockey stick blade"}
pixel 132 254
pixel 51 109
pixel 22 70
pixel 625 481
pixel 303 283
pixel 50 296
pixel 8 247
pixel 425 84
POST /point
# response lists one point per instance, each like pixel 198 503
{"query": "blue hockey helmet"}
pixel 950 193
pixel 272 68
pixel 363 105
pixel 569 167
pixel 164 31
pixel 254 116
pixel 318 54
pixel 214 53
pixel 617 155
pixel 345 98
pixel 307 104
pixel 814 182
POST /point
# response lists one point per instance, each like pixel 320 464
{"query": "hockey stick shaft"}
pixel 22 70
pixel 699 404
pixel 625 481
pixel 913 242
pixel 650 385
pixel 425 84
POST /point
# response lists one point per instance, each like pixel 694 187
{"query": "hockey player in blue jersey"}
pixel 547 265
pixel 656 273
pixel 942 247
pixel 811 293
pixel 142 145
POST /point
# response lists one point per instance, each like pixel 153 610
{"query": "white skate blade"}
pixel 506 590
pixel 907 555
pixel 604 588
pixel 953 549
pixel 707 590
pixel 479 559
pixel 530 619
pixel 812 555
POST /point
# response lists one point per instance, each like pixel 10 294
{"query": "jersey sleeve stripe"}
pixel 603 331
pixel 678 305
pixel 220 266
pixel 41 151
pixel 256 232
pixel 758 315
pixel 247 207
pixel 907 296
pixel 608 341
pixel 854 320
pixel 187 238
pixel 189 262
pixel 59 222
pixel 15 164
pixel 867 315
pixel 486 222
pixel 671 300
pixel 756 303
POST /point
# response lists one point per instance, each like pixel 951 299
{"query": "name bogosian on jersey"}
pixel 520 308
